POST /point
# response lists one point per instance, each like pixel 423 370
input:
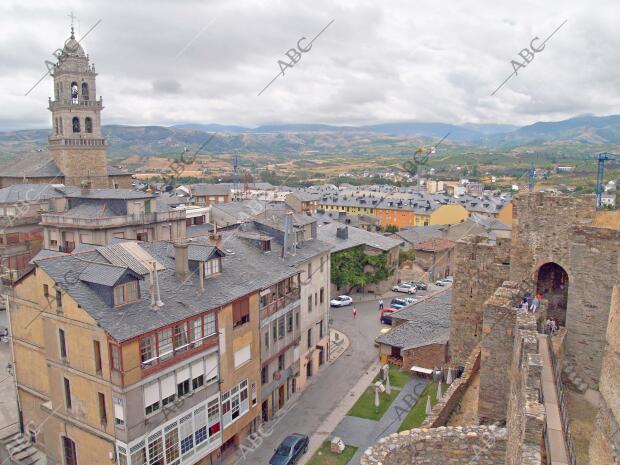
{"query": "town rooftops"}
pixel 422 233
pixel 354 237
pixel 305 196
pixel 33 192
pixel 426 322
pixel 434 245
pixel 245 269
pixel 203 189
pixel 36 167
pixel 109 194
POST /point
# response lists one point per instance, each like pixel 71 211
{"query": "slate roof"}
pixel 427 322
pixel 32 192
pixel 421 233
pixel 91 210
pixel 357 237
pixel 245 269
pixel 104 274
pixel 32 167
pixel 197 230
pixel 305 196
pixel 275 218
pixel 109 194
pixel 248 208
pixel 434 245
pixel 210 189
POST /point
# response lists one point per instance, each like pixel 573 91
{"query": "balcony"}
pixel 67 142
pixel 273 307
pixel 82 103
pixel 59 220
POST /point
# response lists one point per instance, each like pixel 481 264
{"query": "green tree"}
pixel 348 268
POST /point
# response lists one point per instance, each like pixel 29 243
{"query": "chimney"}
pixel 181 261
pixel 288 248
pixel 342 232
pixel 215 239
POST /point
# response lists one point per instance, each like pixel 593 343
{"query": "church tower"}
pixel 76 144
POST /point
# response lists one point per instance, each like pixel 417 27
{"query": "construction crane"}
pixel 600 176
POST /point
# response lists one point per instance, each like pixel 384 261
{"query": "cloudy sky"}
pixel 166 62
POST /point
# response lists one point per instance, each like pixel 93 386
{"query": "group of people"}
pixel 551 326
pixel 529 303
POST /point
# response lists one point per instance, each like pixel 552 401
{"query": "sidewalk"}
pixel 338 344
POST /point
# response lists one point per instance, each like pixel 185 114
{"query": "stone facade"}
pixel 481 266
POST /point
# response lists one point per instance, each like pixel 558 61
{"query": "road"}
pixel 330 385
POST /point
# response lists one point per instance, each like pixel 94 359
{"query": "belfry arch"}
pixel 552 283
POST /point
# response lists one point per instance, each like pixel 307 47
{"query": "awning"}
pixel 424 371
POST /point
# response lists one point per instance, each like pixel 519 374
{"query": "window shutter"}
pixel 211 366
pixel 168 388
pixel 198 368
pixel 183 374
pixel 119 412
pixel 242 355
pixel 151 394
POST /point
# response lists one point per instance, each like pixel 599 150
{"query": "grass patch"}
pixel 365 405
pixel 418 413
pixel 398 378
pixel 324 456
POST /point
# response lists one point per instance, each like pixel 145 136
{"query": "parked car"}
pixel 398 301
pixel 419 285
pixel 341 301
pixel 448 279
pixel 440 282
pixel 386 315
pixel 404 287
pixel 289 450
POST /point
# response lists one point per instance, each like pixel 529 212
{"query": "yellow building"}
pixel 402 214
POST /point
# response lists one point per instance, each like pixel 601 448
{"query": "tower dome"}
pixel 72 47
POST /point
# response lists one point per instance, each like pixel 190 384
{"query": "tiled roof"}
pixel 32 192
pixel 103 274
pixel 32 167
pixel 108 194
pixel 210 189
pixel 421 233
pixel 434 245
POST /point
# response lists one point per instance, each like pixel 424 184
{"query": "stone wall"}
pixel 445 406
pixel 525 414
pixel 605 442
pixel 480 268
pixel 430 356
pixel 480 445
pixel 499 324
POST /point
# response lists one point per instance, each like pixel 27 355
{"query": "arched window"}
pixel 76 124
pixel 85 90
pixel 88 125
pixel 69 451
pixel 60 125
pixel 74 92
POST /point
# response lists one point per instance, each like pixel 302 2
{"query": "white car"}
pixel 404 287
pixel 341 301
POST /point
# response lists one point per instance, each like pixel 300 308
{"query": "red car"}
pixel 386 315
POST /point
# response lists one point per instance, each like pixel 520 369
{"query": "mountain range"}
pixel 287 139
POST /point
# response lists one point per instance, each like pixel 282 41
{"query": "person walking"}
pixel 535 304
pixel 381 304
pixel 354 312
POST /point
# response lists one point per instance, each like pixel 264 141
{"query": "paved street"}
pixel 333 389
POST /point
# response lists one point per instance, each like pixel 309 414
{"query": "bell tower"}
pixel 76 144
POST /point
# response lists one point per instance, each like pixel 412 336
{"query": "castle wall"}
pixel 499 324
pixel 480 268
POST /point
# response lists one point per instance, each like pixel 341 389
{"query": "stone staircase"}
pixel 18 448
pixel 572 380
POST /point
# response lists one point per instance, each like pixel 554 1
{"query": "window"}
pixel 213 267
pixel 280 327
pixel 198 374
pixel 211 368
pixel 69 451
pixel 183 388
pixel 75 122
pixel 241 312
pixel 309 270
pixel 195 332
pixel 309 303
pixel 147 351
pixel 62 344
pixel 119 411
pixel 274 330
pixel 297 319
pixel 115 355
pixel 289 322
pixel 243 355
pixel 139 457
pixel 151 398
pixel 168 389
pixel 103 416
pixel 281 362
pixel 316 299
pixel 321 329
pixel 309 338
pixel 322 263
pixel 97 350
pixel 209 324
pixel 266 334
pixel 264 375
pixel 46 290
pixel 58 300
pixel 67 386
pixel 180 337
pixel 88 125
pixel 322 295
pixel 187 436
pixel 156 451
pixel 172 445
pixel 126 293
pixel 164 340
pixel 235 403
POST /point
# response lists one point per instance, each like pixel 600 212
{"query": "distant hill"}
pixel 295 140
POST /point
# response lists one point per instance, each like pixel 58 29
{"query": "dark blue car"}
pixel 290 450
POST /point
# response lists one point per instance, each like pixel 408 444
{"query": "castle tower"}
pixel 76 144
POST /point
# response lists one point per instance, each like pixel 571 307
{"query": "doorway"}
pixel 552 283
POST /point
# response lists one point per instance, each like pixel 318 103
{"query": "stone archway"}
pixel 552 283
